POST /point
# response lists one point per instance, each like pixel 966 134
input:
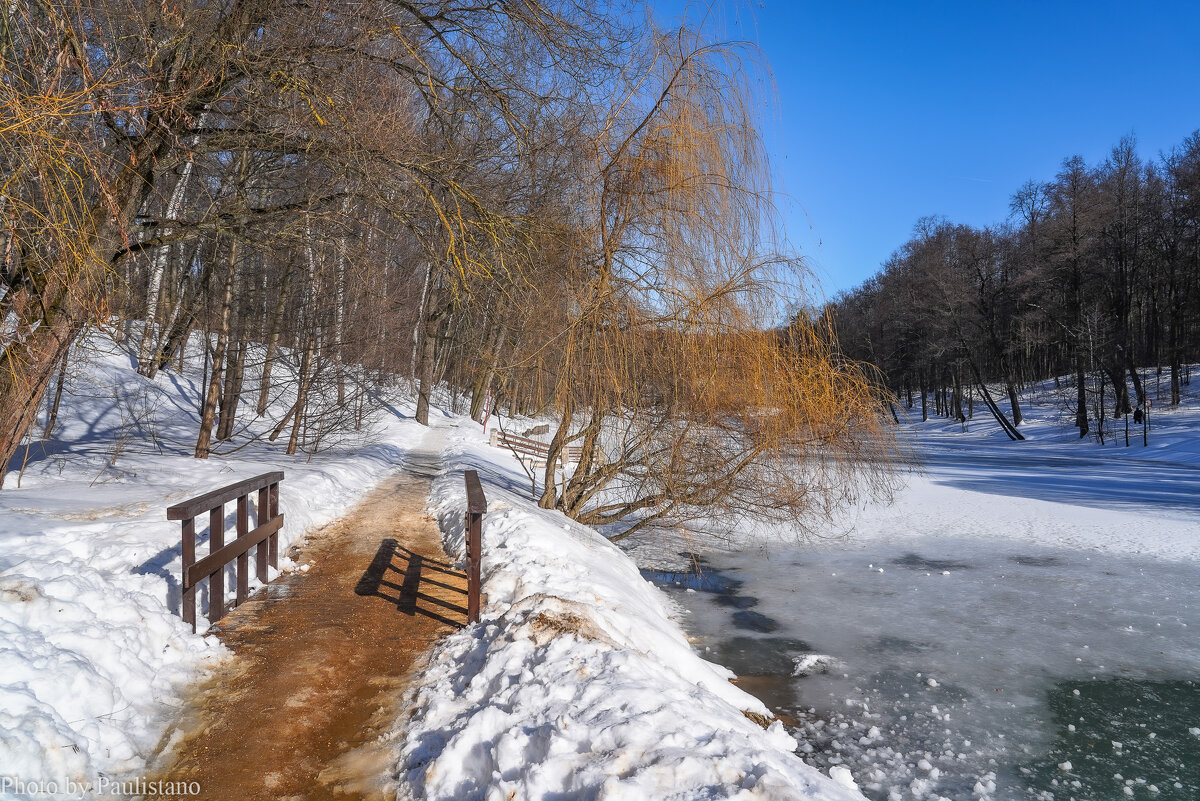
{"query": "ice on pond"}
pixel 1015 676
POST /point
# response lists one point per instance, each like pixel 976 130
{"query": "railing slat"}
pixel 262 512
pixel 215 562
pixel 216 581
pixel 273 542
pixel 187 601
pixel 243 559
pixel 525 446
pixel 202 503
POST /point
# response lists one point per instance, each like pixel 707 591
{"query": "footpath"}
pixel 323 656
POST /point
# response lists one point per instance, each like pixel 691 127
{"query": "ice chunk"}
pixel 843 777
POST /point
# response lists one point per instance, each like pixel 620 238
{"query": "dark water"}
pixel 967 674
pixel 1120 733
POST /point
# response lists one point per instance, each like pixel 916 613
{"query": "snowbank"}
pixel 93 655
pixel 577 683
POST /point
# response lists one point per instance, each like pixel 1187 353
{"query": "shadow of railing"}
pixel 416 584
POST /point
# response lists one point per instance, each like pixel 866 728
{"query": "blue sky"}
pixel 888 111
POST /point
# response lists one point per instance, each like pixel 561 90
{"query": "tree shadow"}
pixel 416 584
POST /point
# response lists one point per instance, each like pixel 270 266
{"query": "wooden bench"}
pixel 534 451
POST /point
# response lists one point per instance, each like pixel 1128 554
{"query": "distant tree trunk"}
pixel 1081 415
pixel 1116 374
pixel 52 414
pixel 273 333
pixel 235 370
pixel 484 383
pixel 301 395
pixel 427 364
pixel 421 323
pixel 208 411
pixel 1011 387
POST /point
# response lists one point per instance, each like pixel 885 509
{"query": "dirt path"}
pixel 322 658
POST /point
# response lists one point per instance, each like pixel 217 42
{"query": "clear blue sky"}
pixel 889 111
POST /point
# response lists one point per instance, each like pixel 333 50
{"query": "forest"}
pixel 1094 279
pixel 549 208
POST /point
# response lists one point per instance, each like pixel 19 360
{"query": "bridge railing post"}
pixel 476 506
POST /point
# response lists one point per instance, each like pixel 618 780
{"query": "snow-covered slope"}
pixel 93 654
pixel 578 683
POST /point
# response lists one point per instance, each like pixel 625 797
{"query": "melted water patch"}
pixel 917 562
pixel 1114 734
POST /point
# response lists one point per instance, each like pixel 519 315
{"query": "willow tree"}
pixel 668 369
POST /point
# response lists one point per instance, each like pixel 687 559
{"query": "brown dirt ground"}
pixel 322 658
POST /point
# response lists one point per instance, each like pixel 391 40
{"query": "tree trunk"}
pixel 1010 387
pixel 426 367
pixel 301 395
pixel 235 371
pixel 52 414
pixel 485 383
pixel 1081 415
pixel 273 334
pixel 1116 374
pixel 208 411
pixel 27 365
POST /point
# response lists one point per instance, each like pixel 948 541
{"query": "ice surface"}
pixel 1007 579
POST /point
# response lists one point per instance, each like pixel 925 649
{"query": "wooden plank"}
pixel 212 564
pixel 476 506
pixel 202 503
pixel 273 542
pixel 476 503
pixel 216 581
pixel 243 559
pixel 187 602
pixel 262 513
pixel 474 558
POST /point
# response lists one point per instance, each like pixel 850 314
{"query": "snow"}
pixel 1013 568
pixel 577 683
pixel 94 658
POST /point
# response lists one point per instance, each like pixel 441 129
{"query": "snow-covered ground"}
pixel 93 654
pixel 577 683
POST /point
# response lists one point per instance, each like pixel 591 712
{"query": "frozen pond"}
pixel 967 669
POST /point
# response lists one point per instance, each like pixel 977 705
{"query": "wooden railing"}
pixel 476 506
pixel 536 450
pixel 265 535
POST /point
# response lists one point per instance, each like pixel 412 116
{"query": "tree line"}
pixel 558 208
pixel 1094 277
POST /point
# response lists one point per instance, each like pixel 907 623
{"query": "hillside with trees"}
pixel 1095 276
pixel 548 206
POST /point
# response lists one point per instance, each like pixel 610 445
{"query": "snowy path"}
pixel 321 661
